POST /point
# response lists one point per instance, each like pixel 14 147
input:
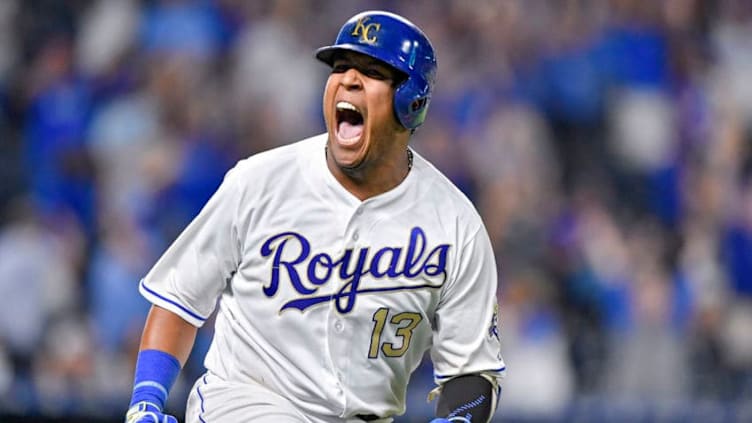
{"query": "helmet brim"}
pixel 327 54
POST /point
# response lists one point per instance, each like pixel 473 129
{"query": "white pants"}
pixel 213 400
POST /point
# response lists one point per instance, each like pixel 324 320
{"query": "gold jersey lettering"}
pixel 362 30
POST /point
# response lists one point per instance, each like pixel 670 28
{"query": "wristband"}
pixel 156 371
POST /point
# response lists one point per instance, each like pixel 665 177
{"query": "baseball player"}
pixel 335 263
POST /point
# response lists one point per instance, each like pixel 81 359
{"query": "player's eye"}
pixel 374 73
pixel 341 68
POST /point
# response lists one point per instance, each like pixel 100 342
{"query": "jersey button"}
pixel 358 212
pixel 355 236
pixel 339 326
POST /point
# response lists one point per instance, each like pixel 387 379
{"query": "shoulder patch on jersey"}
pixel 493 329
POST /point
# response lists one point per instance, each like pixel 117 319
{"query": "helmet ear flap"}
pixel 411 100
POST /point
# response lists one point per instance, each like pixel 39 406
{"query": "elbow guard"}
pixel 468 399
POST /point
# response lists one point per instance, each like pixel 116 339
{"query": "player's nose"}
pixel 352 79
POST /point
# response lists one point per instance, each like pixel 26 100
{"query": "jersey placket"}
pixel 338 329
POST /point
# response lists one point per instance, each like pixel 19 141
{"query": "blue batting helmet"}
pixel 399 43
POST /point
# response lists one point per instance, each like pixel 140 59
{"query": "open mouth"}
pixel 349 122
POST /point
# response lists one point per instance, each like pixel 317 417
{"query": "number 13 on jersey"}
pixel 402 324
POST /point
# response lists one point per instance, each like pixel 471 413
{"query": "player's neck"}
pixel 370 181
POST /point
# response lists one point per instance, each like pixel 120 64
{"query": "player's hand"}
pixel 457 419
pixel 146 412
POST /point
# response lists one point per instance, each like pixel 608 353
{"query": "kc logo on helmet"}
pixel 364 31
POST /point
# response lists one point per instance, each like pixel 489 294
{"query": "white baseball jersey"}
pixel 328 300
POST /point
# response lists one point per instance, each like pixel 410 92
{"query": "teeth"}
pixel 343 105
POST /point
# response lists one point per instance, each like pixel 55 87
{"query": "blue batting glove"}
pixel 456 419
pixel 146 412
pixel 440 420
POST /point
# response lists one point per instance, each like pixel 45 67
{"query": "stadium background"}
pixel 606 144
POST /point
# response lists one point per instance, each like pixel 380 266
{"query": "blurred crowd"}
pixel 606 143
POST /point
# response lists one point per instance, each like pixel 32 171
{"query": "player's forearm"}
pixel 168 332
pixel 166 342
